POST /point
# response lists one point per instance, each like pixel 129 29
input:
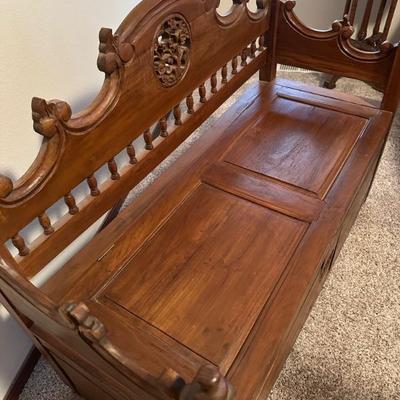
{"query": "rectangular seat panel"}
pixel 301 144
pixel 205 287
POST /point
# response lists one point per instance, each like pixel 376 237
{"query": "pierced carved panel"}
pixel 172 50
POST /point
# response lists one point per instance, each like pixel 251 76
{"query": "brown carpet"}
pixel 349 348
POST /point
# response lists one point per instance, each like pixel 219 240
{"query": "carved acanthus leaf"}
pixel 48 115
pixel 113 53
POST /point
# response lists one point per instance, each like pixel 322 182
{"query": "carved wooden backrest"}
pixel 334 51
pixel 168 56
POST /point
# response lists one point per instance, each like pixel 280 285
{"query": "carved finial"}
pixel 347 32
pixel 6 186
pixel 112 53
pixel 46 115
pixel 337 26
pixel 290 5
pixel 209 384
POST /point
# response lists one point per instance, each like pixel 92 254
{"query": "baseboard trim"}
pixel 23 375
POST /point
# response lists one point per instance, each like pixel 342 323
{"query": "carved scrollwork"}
pixel 113 53
pixel 47 116
pixel 344 28
pixel 172 50
pixel 90 328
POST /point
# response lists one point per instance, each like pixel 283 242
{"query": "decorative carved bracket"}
pixel 113 54
pixel 47 116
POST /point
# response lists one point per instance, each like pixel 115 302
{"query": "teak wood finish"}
pixel 199 289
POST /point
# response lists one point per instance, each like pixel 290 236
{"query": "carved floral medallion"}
pixel 172 50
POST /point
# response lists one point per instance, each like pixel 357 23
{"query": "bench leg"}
pixel 331 83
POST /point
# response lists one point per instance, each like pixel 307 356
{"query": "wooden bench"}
pixel 199 288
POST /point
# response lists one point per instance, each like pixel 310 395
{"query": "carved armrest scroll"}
pixel 209 384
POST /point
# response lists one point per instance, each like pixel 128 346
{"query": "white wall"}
pixel 48 49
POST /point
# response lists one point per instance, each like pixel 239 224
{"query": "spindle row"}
pixel 164 128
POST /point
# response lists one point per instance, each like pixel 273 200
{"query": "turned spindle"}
pixel 178 115
pixel 92 183
pixel 19 242
pixel 363 32
pixel 224 74
pixel 190 104
pixel 234 65
pixel 389 20
pixel 71 204
pixel 148 139
pixel 243 57
pixel 202 93
pixel 45 222
pixel 352 11
pixel 164 126
pixel 253 49
pixel 113 168
pixel 6 186
pixel 214 83
pixel 379 17
pixel 261 43
pixel 131 154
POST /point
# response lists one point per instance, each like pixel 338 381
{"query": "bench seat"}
pixel 220 260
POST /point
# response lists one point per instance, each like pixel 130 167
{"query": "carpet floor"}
pixel 349 348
